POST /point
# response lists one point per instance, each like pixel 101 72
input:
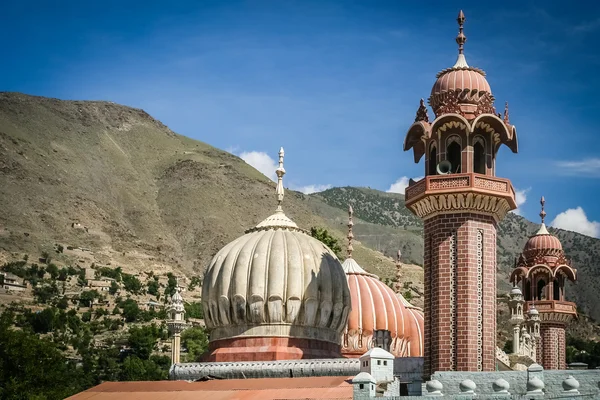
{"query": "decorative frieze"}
pixel 461 202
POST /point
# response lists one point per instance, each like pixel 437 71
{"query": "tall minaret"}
pixel 461 202
pixel 176 324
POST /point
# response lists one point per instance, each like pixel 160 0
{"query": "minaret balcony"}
pixel 554 310
pixel 466 192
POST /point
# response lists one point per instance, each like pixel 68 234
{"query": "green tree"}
pixel 87 297
pixel 33 368
pixel 43 294
pixel 171 285
pixel 52 269
pixel 131 310
pixel 325 237
pixel 195 340
pixel 114 288
pixel 153 287
pixel 131 283
pixel 193 310
pixel 142 340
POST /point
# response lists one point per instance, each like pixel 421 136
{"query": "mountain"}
pixel 387 226
pixel 114 187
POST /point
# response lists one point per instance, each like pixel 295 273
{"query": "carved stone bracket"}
pixel 458 202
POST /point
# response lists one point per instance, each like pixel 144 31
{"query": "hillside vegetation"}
pixel 148 199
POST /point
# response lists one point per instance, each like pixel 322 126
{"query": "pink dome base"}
pixel 270 349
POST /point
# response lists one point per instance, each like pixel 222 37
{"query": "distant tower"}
pixel 461 202
pixel 176 324
pixel 542 271
pixel 398 283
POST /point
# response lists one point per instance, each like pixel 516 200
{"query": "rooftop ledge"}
pixel 437 194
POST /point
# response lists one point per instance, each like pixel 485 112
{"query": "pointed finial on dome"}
pixel 461 61
pixel 543 230
pixel 280 171
pixel 543 213
pixel 506 121
pixel 350 234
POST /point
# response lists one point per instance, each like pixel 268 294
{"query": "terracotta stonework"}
pixel 270 349
pixel 461 201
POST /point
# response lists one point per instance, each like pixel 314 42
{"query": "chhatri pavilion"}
pixel 288 320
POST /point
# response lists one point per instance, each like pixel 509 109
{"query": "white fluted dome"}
pixel 276 280
pixel 275 293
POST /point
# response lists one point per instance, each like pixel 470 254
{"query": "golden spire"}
pixel 280 171
pixel 350 235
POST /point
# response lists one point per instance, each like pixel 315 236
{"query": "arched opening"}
pixel 556 295
pixel 432 160
pixel 527 291
pixel 453 155
pixel 478 158
pixel 541 286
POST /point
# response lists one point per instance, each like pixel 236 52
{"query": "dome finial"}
pixel 350 234
pixel 543 213
pixel 543 230
pixel 461 38
pixel 461 61
pixel 280 171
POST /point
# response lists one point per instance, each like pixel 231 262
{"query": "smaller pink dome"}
pixel 542 243
pixel 461 80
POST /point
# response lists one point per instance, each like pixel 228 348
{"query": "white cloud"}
pixel 265 164
pixel 308 189
pixel 574 219
pixel 262 162
pixel 401 184
pixel 520 198
pixel 590 166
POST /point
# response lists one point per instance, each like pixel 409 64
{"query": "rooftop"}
pixel 322 387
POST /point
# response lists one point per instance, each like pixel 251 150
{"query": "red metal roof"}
pixel 322 387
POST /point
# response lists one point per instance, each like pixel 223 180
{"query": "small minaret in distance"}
pixel 398 283
pixel 176 324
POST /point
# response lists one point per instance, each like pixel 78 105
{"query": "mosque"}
pixel 288 320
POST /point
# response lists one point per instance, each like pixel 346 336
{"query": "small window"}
pixel 478 158
pixel 362 386
pixel 385 362
pixel 432 161
pixel 378 362
pixel 453 154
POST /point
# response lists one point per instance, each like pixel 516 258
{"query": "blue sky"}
pixel 337 83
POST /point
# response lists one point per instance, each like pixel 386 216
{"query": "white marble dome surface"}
pixel 276 280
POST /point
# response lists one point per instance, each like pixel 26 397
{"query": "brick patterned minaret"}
pixel 542 270
pixel 461 201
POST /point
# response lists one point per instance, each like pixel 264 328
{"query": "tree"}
pixel 171 285
pixel 131 283
pixel 114 288
pixel 52 269
pixel 325 237
pixel 195 340
pixel 131 310
pixel 153 287
pixel 33 368
pixel 193 310
pixel 45 293
pixel 87 297
pixel 142 340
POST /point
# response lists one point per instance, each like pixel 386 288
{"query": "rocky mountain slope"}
pixel 115 182
pixel 388 225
